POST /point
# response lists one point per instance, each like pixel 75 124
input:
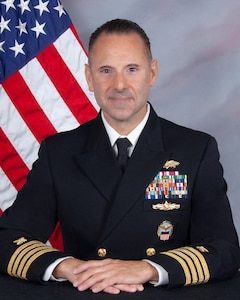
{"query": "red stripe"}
pixel 11 163
pixel 28 107
pixel 67 86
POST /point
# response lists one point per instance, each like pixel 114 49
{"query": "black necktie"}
pixel 123 144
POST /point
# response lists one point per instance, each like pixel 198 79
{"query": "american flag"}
pixel 42 85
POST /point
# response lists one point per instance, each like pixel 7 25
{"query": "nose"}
pixel 120 82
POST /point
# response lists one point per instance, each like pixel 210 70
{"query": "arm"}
pixel 213 251
pixel 27 225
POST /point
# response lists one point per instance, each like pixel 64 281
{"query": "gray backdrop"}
pixel 197 44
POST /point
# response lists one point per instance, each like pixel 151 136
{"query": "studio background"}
pixel 197 44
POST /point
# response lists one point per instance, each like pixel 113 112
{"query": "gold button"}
pixel 150 251
pixel 102 252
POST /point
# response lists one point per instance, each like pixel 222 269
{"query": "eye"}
pixel 105 70
pixel 132 69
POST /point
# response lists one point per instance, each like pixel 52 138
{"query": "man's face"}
pixel 120 75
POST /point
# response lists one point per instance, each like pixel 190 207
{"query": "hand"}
pixel 65 269
pixel 113 275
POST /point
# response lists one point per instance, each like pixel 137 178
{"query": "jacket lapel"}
pixel 98 161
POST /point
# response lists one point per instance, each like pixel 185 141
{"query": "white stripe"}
pixel 16 130
pixel 7 191
pixel 75 58
pixel 48 97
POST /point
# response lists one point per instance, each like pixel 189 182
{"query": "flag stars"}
pixel 60 9
pixel 22 27
pixel 1 46
pixel 18 48
pixel 8 4
pixel 42 6
pixel 24 6
pixel 4 25
pixel 39 29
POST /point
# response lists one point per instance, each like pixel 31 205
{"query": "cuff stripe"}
pixel 203 262
pixel 24 256
pixel 193 263
pixel 183 265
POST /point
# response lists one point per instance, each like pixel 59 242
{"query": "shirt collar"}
pixel 133 136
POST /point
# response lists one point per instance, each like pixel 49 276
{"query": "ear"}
pixel 154 72
pixel 88 77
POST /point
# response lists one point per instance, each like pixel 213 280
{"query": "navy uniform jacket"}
pixel 175 214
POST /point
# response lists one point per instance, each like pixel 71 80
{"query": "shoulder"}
pixel 178 135
pixel 73 138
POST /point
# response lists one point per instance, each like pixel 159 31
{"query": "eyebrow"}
pixel 128 65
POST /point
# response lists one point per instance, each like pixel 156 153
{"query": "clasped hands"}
pixel 108 275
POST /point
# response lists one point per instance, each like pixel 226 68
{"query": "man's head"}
pixel 120 73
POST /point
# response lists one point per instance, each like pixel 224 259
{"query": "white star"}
pixel 42 6
pixel 22 27
pixel 4 24
pixel 9 4
pixel 24 5
pixel 17 48
pixel 1 46
pixel 60 9
pixel 38 29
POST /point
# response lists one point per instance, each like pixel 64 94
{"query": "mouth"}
pixel 120 101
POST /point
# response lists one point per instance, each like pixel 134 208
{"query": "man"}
pixel 161 217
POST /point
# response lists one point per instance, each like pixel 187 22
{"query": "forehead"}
pixel 118 45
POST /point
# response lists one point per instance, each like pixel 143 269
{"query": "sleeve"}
pixel 26 226
pixel 213 252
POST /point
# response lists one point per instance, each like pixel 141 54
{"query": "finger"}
pixel 90 264
pixel 95 277
pixel 130 288
pixel 111 290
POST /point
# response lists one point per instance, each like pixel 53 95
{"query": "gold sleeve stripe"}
pixel 203 262
pixel 32 259
pixel 193 263
pixel 183 264
pixel 15 255
pixel 190 264
pixel 24 256
pixel 20 258
pixel 197 264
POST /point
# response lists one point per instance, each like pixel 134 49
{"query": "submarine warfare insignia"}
pixel 166 206
pixel 171 164
pixel 165 230
pixel 20 241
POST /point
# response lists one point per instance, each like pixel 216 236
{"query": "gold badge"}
pixel 20 241
pixel 166 206
pixel 171 164
pixel 165 230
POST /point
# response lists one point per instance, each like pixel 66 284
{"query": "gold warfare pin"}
pixel 166 206
pixel 171 164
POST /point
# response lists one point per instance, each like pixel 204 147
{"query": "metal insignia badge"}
pixel 171 164
pixel 20 241
pixel 166 206
pixel 165 230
